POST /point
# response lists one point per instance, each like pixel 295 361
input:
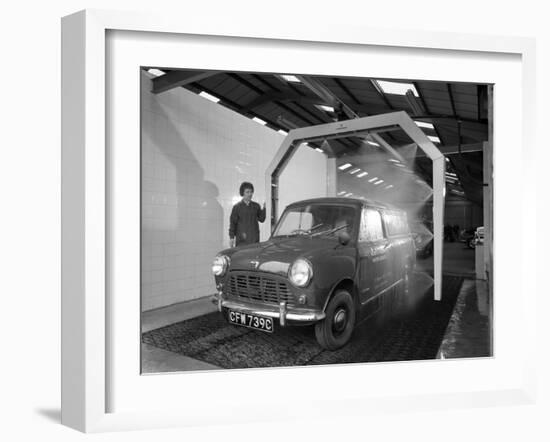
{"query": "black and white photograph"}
pixel 292 219
pixel 309 221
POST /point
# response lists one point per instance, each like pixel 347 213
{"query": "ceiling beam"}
pixel 326 95
pixel 480 128
pixel 269 97
pixel 381 94
pixel 330 98
pixel 350 94
pixel 232 105
pixel 425 106
pixel 175 79
pixel 451 150
pixel 451 98
pixel 261 93
pixel 266 83
pixel 282 97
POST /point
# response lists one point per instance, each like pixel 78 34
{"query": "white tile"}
pixel 188 154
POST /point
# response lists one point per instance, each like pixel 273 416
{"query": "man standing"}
pixel 243 222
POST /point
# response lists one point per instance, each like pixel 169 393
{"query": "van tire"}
pixel 336 329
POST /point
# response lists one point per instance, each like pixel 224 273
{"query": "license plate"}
pixel 252 321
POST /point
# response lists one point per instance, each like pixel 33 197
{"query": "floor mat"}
pixel 415 335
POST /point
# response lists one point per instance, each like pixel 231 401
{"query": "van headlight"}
pixel 220 265
pixel 300 272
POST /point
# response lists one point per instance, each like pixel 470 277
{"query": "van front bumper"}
pixel 284 313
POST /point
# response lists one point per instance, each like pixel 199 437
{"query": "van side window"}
pixel 396 223
pixel 371 226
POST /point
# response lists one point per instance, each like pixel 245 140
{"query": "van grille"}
pixel 258 287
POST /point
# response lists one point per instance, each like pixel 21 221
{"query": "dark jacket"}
pixel 243 222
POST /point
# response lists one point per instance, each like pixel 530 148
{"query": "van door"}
pixel 373 249
pixel 397 232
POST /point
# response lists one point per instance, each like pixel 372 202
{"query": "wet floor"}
pixel 191 337
pixel 457 260
pixel 415 332
pixel 469 334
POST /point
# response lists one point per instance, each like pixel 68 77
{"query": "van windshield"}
pixel 316 219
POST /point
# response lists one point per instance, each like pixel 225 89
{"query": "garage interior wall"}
pixel 194 155
pixel 465 214
pixel 305 176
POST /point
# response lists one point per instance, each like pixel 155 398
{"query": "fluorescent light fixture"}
pixel 259 121
pixel 348 194
pixel 389 187
pixel 319 150
pixel 372 143
pixel 282 132
pixel 447 159
pixel 354 171
pixel 378 182
pixel 325 108
pixel 393 160
pixel 156 72
pixel 209 96
pixel 434 139
pixel 396 88
pixel 345 166
pixel 342 192
pixel 362 174
pixel 423 124
pixel 399 165
pixel 372 180
pixel 290 78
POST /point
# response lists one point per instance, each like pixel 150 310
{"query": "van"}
pixel 330 262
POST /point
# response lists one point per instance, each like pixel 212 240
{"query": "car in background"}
pixel 479 237
pixel 330 262
pixel 466 236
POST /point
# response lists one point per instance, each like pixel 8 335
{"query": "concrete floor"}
pixel 171 314
pixel 155 360
pixel 457 260
pixel 467 334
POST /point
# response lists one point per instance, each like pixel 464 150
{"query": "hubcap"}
pixel 340 318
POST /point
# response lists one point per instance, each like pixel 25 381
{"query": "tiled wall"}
pixel 195 154
pixel 304 177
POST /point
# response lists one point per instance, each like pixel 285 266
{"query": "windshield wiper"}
pixel 310 231
pixel 297 232
pixel 331 231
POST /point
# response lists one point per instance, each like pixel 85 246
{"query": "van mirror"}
pixel 344 238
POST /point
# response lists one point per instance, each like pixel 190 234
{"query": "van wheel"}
pixel 336 329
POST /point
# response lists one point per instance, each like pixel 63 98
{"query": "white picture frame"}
pixel 87 313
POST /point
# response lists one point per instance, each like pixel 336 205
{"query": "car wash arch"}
pixel 368 129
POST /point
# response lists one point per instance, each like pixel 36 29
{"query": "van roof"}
pixel 345 201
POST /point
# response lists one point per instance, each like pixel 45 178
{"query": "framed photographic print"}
pixel 278 219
